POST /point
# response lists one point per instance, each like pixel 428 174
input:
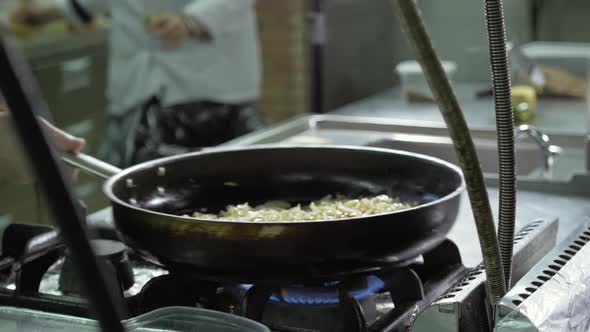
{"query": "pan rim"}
pixel 108 185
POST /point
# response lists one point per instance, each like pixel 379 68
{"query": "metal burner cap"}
pixel 111 250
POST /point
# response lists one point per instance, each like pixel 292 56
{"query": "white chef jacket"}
pixel 225 69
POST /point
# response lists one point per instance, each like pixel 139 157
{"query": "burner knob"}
pixel 112 255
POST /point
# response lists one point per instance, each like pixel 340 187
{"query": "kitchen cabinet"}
pixel 71 70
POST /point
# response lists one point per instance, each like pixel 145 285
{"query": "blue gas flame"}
pixel 322 295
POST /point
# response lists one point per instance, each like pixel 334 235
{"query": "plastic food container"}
pixel 572 57
pixel 413 82
pixel 565 67
pixel 169 319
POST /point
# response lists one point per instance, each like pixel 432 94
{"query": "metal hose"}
pixel 505 128
pixel 413 26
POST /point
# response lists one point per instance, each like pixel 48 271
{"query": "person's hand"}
pixel 64 141
pixel 13 165
pixel 171 29
pixel 34 13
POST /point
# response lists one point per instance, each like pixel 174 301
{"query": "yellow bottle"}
pixel 524 103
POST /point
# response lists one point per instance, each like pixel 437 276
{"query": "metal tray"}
pixel 354 130
pixel 339 129
pixel 369 131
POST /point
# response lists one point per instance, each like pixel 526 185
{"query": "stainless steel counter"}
pixel 572 211
pixel 555 116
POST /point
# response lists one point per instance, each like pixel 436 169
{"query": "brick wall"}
pixel 284 56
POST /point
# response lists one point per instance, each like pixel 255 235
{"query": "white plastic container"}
pixel 572 57
pixel 170 319
pixel 413 82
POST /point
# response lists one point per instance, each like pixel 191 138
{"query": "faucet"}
pixel 548 151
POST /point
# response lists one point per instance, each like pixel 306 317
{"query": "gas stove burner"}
pixel 343 299
pixel 391 298
pixel 112 256
pixel 326 293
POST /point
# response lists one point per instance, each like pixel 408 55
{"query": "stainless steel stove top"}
pixel 410 297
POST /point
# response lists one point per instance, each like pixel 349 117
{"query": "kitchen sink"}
pixel 528 156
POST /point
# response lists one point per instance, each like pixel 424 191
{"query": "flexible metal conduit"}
pixel 505 128
pixel 413 26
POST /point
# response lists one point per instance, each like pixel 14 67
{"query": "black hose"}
pixel 505 128
pixel 413 26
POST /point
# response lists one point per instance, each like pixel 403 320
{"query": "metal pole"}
pixel 496 32
pixel 25 101
pixel 318 40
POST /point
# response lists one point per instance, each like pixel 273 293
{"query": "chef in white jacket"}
pixel 183 73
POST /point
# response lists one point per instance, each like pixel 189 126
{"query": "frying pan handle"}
pixel 91 165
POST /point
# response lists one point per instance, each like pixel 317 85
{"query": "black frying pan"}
pixel 148 202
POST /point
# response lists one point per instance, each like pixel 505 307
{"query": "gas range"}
pixel 390 299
